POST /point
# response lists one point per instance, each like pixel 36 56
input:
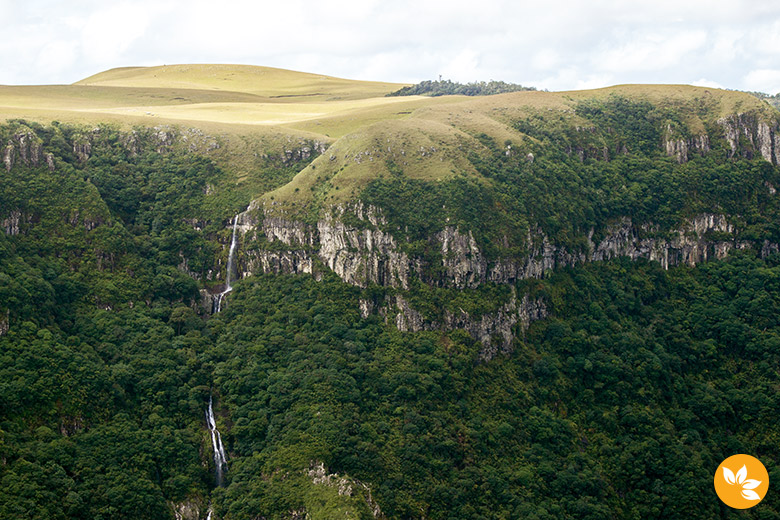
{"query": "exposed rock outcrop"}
pixel 164 138
pixel 206 302
pixel 278 262
pixel 304 151
pixel 5 323
pixel 131 142
pixel 290 232
pixel 189 509
pixel 494 330
pixel 11 224
pixel 9 156
pixel 25 145
pixel 749 136
pixel 364 253
pixel 687 245
pixel 682 149
pixel 406 319
pixel 82 148
pixel 29 147
pixel 345 486
pixel 462 260
pixel 362 256
pixel 359 255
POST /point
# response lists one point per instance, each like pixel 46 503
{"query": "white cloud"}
pixel 57 57
pixel 464 67
pixel 650 52
pixel 562 44
pixel 545 59
pixel 704 82
pixel 109 32
pixel 763 80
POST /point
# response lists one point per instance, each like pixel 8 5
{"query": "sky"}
pixel 552 44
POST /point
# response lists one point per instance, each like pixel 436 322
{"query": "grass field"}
pixel 260 110
pixel 192 94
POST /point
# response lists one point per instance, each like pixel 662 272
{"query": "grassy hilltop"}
pixel 256 109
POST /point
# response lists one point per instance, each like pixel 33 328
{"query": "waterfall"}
pixel 229 275
pixel 220 460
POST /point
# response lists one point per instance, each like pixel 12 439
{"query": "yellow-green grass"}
pixel 263 81
pixel 452 123
pixel 260 113
pixel 78 97
pixel 256 111
pixel 194 95
pixel 341 123
pixel 129 107
pixel 422 149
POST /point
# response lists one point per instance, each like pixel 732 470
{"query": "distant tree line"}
pixel 772 100
pixel 449 88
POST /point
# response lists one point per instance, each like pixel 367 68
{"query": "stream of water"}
pixel 220 459
pixel 230 268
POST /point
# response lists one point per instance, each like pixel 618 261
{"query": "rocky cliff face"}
pixel 494 330
pixel 25 146
pixel 362 256
pixel 687 245
pixel 750 136
pixel 365 252
pixel 683 148
pixel 747 134
pixel 11 224
pixel 359 255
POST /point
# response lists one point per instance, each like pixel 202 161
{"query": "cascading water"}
pixel 229 275
pixel 220 460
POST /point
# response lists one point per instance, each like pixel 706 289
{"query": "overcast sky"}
pixel 556 44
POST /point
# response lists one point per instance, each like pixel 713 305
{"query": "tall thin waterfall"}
pixel 220 460
pixel 229 275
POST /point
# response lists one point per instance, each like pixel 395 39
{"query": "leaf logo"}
pixel 736 489
pixel 747 484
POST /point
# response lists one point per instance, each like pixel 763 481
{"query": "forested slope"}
pixel 600 330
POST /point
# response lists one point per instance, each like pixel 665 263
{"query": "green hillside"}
pixel 528 305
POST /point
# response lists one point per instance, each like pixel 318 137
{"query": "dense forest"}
pixel 620 404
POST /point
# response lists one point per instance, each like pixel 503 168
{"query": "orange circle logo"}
pixel 741 481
